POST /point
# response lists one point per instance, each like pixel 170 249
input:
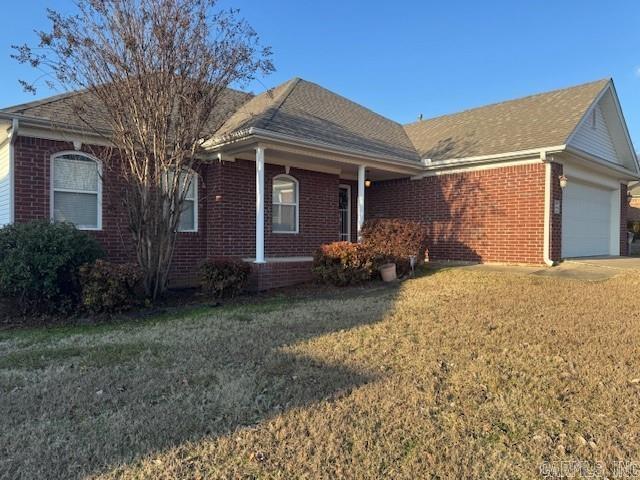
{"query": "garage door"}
pixel 586 220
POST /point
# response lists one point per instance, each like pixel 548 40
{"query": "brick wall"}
pixel 494 215
pixel 226 210
pixel 624 213
pixel 233 217
pixel 32 201
pixel 555 245
pixel 279 274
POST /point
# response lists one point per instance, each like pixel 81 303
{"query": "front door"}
pixel 344 205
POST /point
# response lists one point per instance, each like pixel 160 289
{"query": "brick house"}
pixel 527 181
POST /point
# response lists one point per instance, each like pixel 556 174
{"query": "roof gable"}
pixel 602 132
pixel 306 110
pixel 537 121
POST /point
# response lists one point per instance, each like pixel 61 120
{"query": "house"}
pixel 527 181
pixel 634 203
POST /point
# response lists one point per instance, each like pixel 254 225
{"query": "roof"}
pixel 305 110
pixel 308 111
pixel 63 109
pixel 536 121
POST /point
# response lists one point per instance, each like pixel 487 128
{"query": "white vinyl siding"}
pixel 5 184
pixel 76 190
pixel 596 141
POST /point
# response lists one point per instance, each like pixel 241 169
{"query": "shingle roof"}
pixel 537 121
pixel 306 110
pixel 63 109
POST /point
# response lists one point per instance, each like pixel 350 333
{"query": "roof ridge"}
pixel 353 102
pixel 282 97
pixel 494 104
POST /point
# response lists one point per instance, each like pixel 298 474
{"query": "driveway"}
pixel 586 269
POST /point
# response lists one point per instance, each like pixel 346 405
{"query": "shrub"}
pixel 395 240
pixel 224 277
pixel 40 263
pixel 342 263
pixel 110 287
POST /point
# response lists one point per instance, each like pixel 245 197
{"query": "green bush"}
pixel 224 277
pixel 110 287
pixel 393 240
pixel 40 263
pixel 342 263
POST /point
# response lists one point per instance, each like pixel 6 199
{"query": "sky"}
pixel 405 58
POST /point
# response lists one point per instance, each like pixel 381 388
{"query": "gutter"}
pixel 38 122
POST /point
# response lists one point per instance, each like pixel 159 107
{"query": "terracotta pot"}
pixel 388 272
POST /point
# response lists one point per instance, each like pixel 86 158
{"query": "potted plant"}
pixel 388 272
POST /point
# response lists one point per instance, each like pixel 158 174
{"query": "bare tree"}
pixel 158 70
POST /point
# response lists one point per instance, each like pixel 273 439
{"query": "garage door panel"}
pixel 586 220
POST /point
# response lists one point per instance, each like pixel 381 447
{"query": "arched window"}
pixel 76 190
pixel 285 204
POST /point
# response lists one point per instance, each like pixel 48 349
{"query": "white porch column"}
pixel 259 205
pixel 361 175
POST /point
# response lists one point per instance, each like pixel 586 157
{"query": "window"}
pixel 285 204
pixel 76 190
pixel 188 221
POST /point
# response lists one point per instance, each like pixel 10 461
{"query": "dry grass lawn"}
pixel 458 374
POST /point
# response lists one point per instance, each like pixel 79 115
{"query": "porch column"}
pixel 361 175
pixel 259 205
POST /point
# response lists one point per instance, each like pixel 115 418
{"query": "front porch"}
pixel 303 198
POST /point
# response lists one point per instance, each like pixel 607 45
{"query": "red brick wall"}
pixel 555 246
pixel 279 274
pixel 234 216
pixel 226 210
pixel 494 215
pixel 32 201
pixel 624 213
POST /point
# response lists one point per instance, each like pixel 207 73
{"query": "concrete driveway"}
pixel 586 269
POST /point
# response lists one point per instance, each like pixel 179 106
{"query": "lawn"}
pixel 456 374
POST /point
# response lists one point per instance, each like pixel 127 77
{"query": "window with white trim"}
pixel 284 201
pixel 188 221
pixel 76 190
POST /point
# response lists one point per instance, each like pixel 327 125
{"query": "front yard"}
pixel 457 374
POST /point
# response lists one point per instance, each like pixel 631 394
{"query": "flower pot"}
pixel 388 272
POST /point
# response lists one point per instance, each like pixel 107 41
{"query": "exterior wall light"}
pixel 367 183
pixel 563 181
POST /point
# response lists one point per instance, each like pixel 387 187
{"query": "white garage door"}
pixel 586 220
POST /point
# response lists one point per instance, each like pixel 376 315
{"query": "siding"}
pixel 5 184
pixel 596 141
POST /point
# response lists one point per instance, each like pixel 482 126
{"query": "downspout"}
pixel 546 256
pixel 15 124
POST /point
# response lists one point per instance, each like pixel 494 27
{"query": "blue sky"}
pixel 403 58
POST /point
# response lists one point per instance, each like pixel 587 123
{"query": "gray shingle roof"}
pixel 537 121
pixel 310 112
pixel 63 109
pixel 306 110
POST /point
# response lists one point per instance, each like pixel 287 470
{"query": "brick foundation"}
pixel 279 274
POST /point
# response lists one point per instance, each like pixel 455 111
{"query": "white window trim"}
pixel 52 190
pixel 297 204
pixel 195 180
pixel 348 188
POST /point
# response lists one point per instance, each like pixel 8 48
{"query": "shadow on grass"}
pixel 94 398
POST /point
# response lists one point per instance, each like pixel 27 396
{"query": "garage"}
pixel 587 225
